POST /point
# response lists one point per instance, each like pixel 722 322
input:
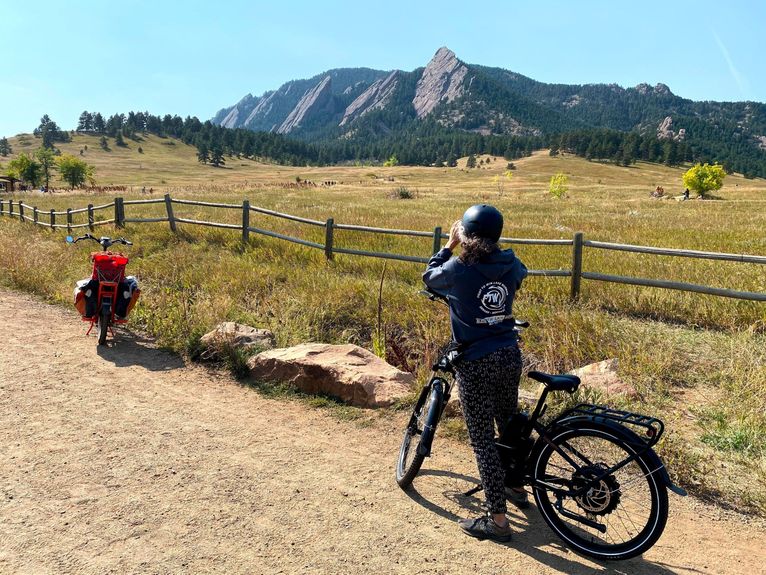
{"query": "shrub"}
pixel 403 193
pixel 558 186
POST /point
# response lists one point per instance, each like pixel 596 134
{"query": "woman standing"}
pixel 480 286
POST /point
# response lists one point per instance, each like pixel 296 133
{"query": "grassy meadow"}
pixel 697 361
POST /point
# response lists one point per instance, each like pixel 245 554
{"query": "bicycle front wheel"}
pixel 103 325
pixel 420 431
pixel 618 517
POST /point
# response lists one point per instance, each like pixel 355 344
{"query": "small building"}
pixel 7 183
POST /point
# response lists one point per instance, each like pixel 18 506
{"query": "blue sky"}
pixel 192 58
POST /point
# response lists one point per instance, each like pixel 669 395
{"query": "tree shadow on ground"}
pixel 128 348
pixel 532 536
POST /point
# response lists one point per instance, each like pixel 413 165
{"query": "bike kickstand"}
pixel 473 490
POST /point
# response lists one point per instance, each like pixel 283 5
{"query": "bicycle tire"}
pixel 103 326
pixel 423 421
pixel 647 535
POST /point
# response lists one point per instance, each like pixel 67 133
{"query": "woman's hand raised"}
pixel 454 235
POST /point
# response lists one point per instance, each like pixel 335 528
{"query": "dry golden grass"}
pixel 697 361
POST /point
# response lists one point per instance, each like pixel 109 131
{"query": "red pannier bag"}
pixel 108 267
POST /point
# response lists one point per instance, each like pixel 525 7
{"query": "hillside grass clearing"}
pixel 699 362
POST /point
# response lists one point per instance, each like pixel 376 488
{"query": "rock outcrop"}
pixel 262 108
pixel 373 98
pixel 665 131
pixel 231 117
pixel 235 335
pixel 316 98
pixel 442 80
pixel 347 372
pixel 658 90
pixel 603 376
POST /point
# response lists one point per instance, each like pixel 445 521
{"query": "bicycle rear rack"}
pixel 651 427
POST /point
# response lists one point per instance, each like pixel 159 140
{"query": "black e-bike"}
pixel 595 478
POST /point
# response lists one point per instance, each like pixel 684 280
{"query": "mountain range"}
pixel 456 96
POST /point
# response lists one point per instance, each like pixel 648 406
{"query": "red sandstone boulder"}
pixel 603 376
pixel 348 372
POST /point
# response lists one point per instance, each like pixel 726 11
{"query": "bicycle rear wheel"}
pixel 620 516
pixel 420 430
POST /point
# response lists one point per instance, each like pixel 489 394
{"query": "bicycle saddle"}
pixel 568 383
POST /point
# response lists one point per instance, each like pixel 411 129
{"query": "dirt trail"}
pixel 125 460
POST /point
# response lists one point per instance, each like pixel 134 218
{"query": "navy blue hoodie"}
pixel 480 298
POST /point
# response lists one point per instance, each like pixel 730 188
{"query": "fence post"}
pixel 437 239
pixel 245 221
pixel 10 208
pixel 21 211
pixel 576 265
pixel 169 208
pixel 91 219
pixel 2 203
pixel 35 214
pixel 329 226
pixel 53 220
pixel 69 220
pixel 119 213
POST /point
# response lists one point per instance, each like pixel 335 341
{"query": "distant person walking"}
pixel 686 194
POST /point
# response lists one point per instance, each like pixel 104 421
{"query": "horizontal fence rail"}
pixel 27 213
pixel 678 253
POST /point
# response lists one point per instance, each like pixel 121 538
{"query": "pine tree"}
pixel 216 156
pixel 202 153
pixel 85 123
pixel 5 147
pixel 98 123
pixel 49 131
pixel 471 163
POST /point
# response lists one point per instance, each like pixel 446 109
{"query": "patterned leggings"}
pixel 489 393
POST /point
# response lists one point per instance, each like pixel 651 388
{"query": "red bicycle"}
pixel 108 296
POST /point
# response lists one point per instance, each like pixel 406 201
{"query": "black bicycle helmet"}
pixel 484 221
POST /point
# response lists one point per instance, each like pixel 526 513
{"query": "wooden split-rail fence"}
pixel 578 243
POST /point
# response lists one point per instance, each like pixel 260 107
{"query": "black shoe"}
pixel 518 498
pixel 486 528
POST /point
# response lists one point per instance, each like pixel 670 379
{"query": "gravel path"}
pixel 125 460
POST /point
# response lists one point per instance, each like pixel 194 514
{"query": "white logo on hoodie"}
pixel 492 297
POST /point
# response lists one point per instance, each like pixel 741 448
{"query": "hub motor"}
pixel 602 497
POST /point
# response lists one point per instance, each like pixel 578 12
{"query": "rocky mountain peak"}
pixel 373 98
pixel 315 98
pixel 643 88
pixel 442 79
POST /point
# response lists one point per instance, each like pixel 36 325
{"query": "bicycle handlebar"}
pixel 104 241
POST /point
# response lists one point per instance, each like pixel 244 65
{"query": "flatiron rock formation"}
pixel 442 80
pixel 316 98
pixel 373 98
